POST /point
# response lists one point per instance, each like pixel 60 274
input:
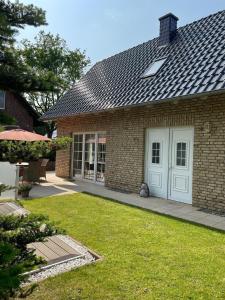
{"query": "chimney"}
pixel 168 27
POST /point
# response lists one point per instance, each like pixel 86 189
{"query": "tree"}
pixel 51 53
pixel 16 232
pixel 6 120
pixel 15 75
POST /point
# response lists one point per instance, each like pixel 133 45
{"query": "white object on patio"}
pixel 8 176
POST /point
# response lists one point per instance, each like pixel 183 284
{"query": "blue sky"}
pixel 106 27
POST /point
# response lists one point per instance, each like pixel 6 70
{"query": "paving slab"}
pixel 54 249
pixel 11 208
pixel 60 186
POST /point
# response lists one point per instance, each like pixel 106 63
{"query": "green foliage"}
pixel 16 232
pixel 50 53
pixel 5 119
pixel 14 16
pixel 24 187
pixel 61 143
pixel 145 256
pixel 15 74
pixel 4 188
pixel 13 151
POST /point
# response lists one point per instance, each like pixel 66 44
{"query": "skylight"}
pixel 154 67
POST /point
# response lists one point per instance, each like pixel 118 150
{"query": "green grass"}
pixel 146 256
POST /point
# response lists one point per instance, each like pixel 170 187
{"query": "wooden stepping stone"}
pixel 54 250
pixel 10 208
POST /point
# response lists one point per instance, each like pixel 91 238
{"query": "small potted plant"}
pixel 24 189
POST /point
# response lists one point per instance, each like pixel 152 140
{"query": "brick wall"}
pixel 16 109
pixel 125 144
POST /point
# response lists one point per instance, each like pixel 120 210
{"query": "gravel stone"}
pixel 54 270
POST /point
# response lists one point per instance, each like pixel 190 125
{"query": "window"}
pixel 156 153
pixel 181 154
pixel 77 155
pixel 89 163
pixel 101 157
pixel 89 153
pixel 2 99
pixel 154 67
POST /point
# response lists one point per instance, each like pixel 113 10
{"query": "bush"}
pixel 16 232
pixel 13 151
pixel 6 119
pixel 24 187
pixel 4 188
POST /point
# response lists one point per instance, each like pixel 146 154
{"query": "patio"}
pixel 59 186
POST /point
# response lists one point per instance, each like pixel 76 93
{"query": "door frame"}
pixel 81 177
pixel 169 157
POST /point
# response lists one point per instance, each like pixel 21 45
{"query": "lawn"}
pixel 146 256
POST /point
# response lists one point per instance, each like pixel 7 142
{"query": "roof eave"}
pixel 157 101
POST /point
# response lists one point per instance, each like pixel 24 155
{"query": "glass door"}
pixel 89 156
pixel 89 162
pixel 77 155
pixel 101 158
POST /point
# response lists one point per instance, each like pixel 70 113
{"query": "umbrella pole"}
pixel 17 182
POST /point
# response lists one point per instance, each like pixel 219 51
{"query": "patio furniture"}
pixel 43 167
pixel 33 172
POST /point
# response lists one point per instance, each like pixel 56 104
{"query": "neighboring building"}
pixel 153 113
pixel 17 107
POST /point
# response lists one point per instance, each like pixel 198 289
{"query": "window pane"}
pixel 2 99
pixel 155 153
pixel 89 156
pixel 77 156
pixel 78 164
pixel 154 67
pixel 181 154
pixel 77 171
pixel 101 157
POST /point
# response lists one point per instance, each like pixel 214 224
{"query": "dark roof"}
pixel 29 109
pixel 195 65
pixel 27 105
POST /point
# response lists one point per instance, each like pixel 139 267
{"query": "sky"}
pixel 105 27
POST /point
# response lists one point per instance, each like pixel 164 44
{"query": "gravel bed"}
pixel 86 258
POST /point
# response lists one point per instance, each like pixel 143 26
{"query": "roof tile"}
pixel 195 64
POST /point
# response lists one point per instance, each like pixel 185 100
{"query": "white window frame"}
pixel 3 100
pixel 149 73
pixel 96 133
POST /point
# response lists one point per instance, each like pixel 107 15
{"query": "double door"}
pixel 169 163
pixel 88 156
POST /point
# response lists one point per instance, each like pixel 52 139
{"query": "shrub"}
pixel 23 187
pixel 4 188
pixel 16 232
pixel 6 119
pixel 13 151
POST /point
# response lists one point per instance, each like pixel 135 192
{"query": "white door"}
pixel 169 163
pixel 180 167
pixel 158 163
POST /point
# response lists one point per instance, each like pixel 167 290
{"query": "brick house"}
pixel 154 113
pixel 16 106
